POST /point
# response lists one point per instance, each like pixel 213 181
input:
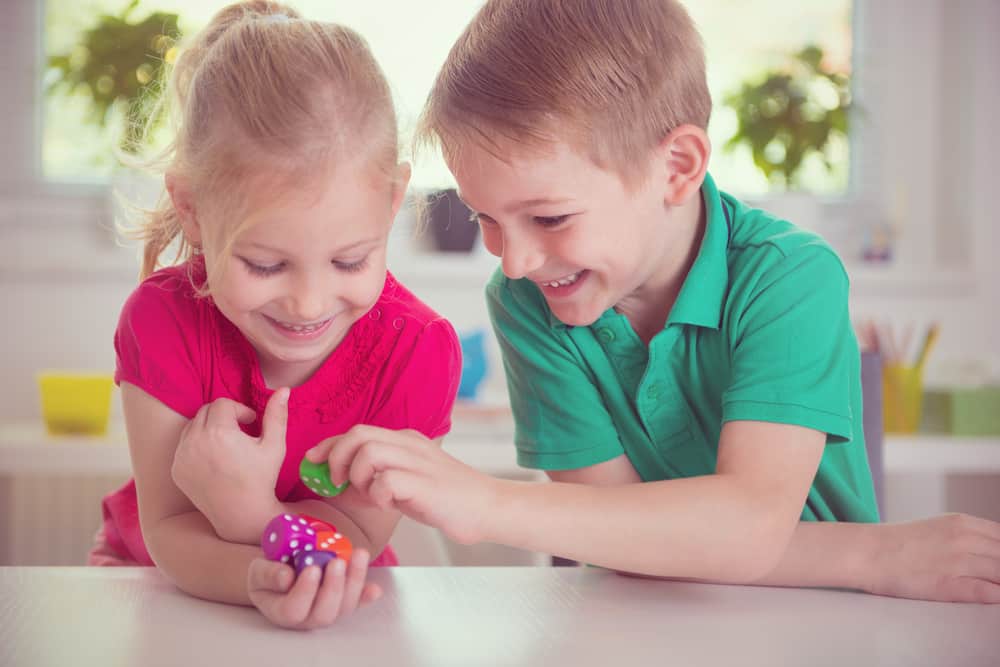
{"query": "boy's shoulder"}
pixel 761 241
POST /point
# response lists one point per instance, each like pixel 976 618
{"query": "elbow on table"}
pixel 759 551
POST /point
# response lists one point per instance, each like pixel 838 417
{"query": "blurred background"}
pixel 868 121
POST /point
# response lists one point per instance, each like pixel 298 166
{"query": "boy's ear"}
pixel 685 152
pixel 183 200
pixel 401 179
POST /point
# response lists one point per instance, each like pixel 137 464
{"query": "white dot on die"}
pixel 294 544
pixel 273 537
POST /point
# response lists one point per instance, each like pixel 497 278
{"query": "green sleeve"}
pixel 793 346
pixel 560 420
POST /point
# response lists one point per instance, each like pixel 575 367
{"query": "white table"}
pixel 486 616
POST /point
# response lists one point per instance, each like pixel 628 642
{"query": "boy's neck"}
pixel 648 308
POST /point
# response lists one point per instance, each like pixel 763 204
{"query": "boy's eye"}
pixel 550 220
pixel 262 269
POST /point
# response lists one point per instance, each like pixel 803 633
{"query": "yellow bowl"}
pixel 75 402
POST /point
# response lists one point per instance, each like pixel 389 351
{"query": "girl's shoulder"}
pixel 401 308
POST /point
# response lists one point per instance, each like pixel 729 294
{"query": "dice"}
pixel 316 477
pixel 333 542
pixel 286 535
pixel 291 538
pixel 304 559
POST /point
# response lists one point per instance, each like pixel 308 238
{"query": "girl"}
pixel 681 365
pixel 280 326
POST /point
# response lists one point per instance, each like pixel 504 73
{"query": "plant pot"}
pixel 449 222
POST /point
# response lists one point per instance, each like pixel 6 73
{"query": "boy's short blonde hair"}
pixel 611 77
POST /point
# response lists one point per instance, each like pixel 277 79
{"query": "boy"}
pixel 682 366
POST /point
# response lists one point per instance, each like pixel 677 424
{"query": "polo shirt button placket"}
pixel 606 335
pixel 654 391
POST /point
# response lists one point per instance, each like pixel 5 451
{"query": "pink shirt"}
pixel 398 367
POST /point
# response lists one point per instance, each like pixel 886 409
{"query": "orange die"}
pixel 331 540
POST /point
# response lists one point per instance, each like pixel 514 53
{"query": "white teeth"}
pixel 298 328
pixel 563 282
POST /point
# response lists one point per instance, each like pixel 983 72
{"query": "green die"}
pixel 316 477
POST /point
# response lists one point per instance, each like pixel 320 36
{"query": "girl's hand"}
pixel 952 558
pixel 406 471
pixel 228 475
pixel 316 598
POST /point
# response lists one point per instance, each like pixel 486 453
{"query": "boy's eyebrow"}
pixel 527 203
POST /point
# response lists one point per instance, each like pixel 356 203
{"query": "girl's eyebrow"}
pixel 266 248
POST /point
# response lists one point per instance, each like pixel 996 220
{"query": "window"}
pixel 411 40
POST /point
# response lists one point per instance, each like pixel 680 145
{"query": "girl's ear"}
pixel 685 152
pixel 401 179
pixel 183 201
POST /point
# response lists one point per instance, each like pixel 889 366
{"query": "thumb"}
pixel 274 423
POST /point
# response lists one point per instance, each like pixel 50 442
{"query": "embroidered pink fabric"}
pixel 398 367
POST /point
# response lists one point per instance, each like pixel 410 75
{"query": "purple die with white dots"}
pixel 286 535
pixel 304 559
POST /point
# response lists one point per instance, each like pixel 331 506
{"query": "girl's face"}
pixel 306 269
pixel 571 227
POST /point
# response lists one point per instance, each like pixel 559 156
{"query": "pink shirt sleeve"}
pixel 424 390
pixel 156 344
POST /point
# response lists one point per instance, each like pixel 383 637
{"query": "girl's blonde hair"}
pixel 263 101
pixel 611 77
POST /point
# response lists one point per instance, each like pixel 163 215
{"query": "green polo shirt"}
pixel 759 331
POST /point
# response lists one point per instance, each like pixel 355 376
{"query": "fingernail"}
pixel 339 566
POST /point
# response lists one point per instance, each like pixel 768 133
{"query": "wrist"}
pixel 244 525
pixel 864 562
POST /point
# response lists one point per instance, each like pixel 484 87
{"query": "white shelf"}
pixel 941 454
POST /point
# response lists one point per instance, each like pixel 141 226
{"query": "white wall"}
pixel 62 280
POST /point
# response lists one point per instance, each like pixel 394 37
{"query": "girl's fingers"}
pixel 326 606
pixel 222 412
pixel 270 576
pixel 294 609
pixel 357 572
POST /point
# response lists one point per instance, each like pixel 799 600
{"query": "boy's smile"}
pixel 574 229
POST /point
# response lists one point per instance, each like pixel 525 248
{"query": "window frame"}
pixel 884 30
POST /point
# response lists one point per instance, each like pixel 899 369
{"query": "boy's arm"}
pixel 181 540
pixel 731 526
pixel 947 558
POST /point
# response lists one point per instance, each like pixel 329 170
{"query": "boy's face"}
pixel 570 227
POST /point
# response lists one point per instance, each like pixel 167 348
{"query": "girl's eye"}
pixel 262 269
pixel 352 267
pixel 550 220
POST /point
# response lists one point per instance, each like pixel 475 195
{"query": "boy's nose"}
pixel 519 257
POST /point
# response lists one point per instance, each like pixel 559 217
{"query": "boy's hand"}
pixel 316 598
pixel 406 471
pixel 228 475
pixel 952 558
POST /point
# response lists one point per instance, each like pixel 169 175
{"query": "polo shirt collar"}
pixel 704 290
pixel 700 299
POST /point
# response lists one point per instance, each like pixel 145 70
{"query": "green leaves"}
pixel 788 115
pixel 118 63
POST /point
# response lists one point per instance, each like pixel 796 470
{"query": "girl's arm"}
pixel 182 541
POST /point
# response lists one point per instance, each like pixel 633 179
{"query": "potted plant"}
pixel 790 114
pixel 118 61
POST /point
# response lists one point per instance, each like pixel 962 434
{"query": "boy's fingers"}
pixel 320 452
pixel 274 423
